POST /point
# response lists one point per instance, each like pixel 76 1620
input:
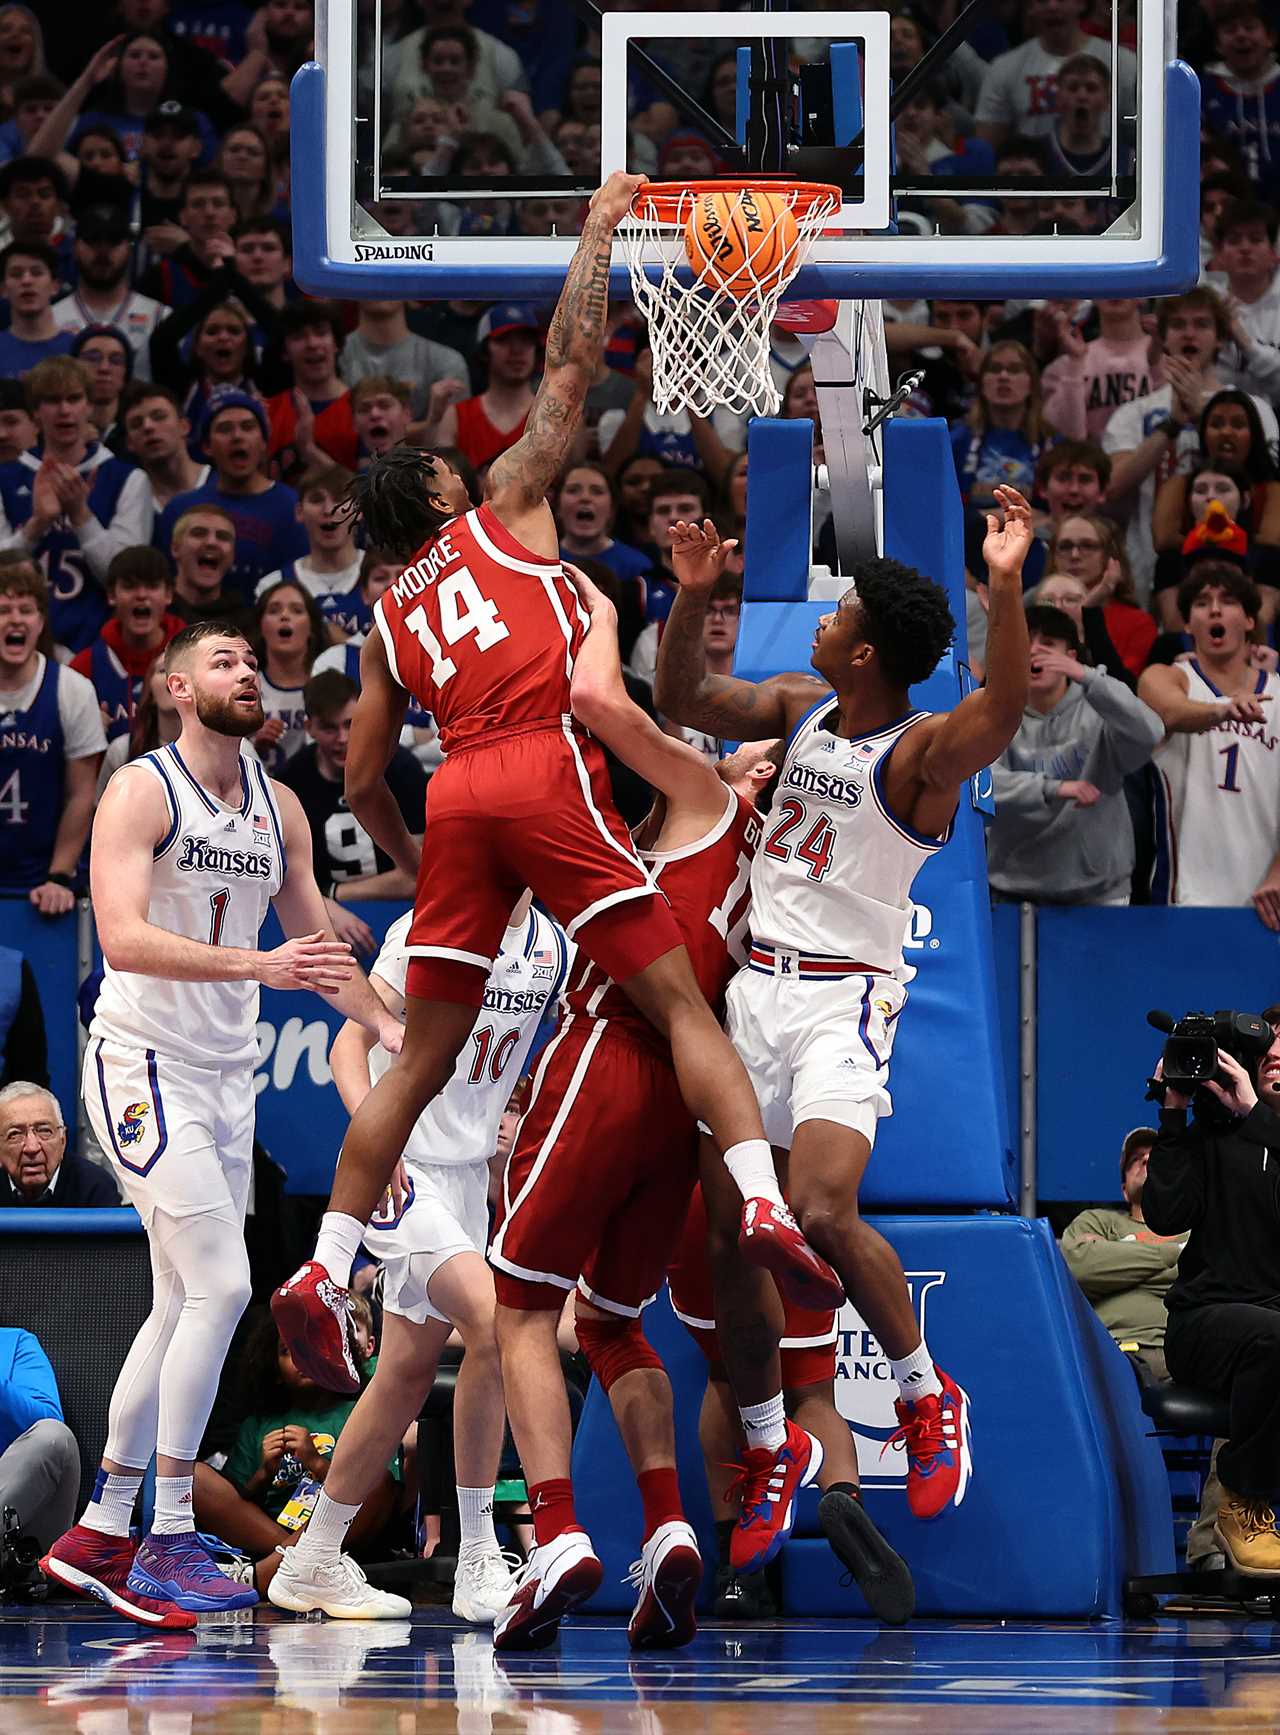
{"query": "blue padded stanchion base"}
pixel 1069 1492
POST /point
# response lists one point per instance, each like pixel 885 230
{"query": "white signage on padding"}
pixel 866 1389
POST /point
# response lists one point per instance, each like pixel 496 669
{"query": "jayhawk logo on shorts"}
pixel 131 1128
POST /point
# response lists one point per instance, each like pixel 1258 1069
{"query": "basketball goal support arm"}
pixel 847 361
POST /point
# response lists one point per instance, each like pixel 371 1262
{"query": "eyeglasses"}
pixel 99 358
pixel 46 1134
pixel 729 609
pixel 1084 546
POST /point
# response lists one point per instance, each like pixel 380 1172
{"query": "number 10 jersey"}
pixel 481 632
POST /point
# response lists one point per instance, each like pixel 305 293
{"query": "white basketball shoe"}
pixel 338 1587
pixel 554 1579
pixel 483 1584
pixel 666 1577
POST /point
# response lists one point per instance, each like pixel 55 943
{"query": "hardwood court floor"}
pixel 68 1670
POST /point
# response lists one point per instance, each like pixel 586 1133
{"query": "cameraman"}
pixel 1223 1333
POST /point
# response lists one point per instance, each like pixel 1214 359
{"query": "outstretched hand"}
pixel 1007 545
pixel 698 555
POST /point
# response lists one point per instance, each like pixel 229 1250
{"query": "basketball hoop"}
pixel 709 319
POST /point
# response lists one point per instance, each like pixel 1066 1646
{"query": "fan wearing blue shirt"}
pixel 29 282
pixel 268 532
pixel 70 503
pixel 39 1458
pixel 585 511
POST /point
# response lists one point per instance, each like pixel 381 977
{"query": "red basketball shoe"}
pixel 771 1237
pixel 313 1316
pixel 94 1564
pixel 935 1433
pixel 769 1481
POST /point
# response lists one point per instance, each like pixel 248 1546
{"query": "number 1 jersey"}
pixel 482 632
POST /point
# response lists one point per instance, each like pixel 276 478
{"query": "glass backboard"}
pixel 414 177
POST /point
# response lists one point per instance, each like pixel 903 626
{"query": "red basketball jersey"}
pixel 482 632
pixel 708 886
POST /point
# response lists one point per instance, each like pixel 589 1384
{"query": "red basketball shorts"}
pixel 599 1182
pixel 808 1345
pixel 532 808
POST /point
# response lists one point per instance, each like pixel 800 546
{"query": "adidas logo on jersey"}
pixel 230 825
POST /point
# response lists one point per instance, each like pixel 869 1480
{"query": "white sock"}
pixel 110 1507
pixel 337 1245
pixel 326 1529
pixel 475 1519
pixel 765 1424
pixel 751 1165
pixel 916 1375
pixel 175 1509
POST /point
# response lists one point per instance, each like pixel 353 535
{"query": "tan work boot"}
pixel 1247 1531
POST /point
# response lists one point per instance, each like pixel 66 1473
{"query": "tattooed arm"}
pixel 519 478
pixel 684 690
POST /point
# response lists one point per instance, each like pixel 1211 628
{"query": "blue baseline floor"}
pixel 59 1660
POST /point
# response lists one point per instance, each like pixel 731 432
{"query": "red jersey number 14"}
pixel 465 611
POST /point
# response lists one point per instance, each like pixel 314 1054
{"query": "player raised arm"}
pixel 301 910
pixel 683 689
pixel 133 817
pixel 600 700
pixel 375 735
pixel 519 478
pixel 942 753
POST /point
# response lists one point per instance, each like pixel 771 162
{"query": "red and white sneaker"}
pixel 771 1238
pixel 554 1579
pixel 666 1577
pixel 97 1565
pixel 313 1316
pixel 935 1433
pixel 769 1482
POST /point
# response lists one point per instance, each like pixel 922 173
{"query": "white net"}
pixel 710 345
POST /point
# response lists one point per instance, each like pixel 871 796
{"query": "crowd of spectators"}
pixel 179 422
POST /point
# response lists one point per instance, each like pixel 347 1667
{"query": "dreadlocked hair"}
pixel 391 498
pixel 906 616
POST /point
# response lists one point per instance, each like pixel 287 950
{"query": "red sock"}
pixel 660 1491
pixel 551 1504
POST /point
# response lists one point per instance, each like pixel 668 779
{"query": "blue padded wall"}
pixel 948 1143
pixel 1069 1491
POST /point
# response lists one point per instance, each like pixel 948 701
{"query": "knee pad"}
pixel 614 1346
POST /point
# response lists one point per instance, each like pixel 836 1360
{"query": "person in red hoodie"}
pixel 139 589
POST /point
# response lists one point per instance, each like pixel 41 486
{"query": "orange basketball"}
pixel 740 241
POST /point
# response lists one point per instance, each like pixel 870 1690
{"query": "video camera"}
pixel 1190 1058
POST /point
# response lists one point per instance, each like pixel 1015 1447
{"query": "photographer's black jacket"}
pixel 1225 1188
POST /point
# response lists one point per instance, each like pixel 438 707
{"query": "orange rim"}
pixel 661 200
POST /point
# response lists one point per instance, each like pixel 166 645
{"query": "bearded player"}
pixel 596 1190
pixel 191 845
pixel 483 629
pixel 867 793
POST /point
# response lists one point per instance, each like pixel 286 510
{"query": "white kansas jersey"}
pixel 1218 802
pixel 461 1124
pixel 215 871
pixel 833 875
